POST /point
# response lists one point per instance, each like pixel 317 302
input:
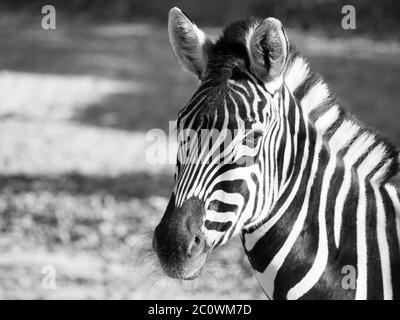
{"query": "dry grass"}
pixel 76 189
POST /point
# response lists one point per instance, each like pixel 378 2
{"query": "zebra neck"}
pixel 344 178
pixel 343 137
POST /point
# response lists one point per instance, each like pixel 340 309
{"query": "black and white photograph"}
pixel 216 150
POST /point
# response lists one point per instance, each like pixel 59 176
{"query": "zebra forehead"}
pixel 222 107
pixel 210 118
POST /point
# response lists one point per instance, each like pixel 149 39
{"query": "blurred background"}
pixel 76 190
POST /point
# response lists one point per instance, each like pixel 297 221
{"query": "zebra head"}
pixel 226 173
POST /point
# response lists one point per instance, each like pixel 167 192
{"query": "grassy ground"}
pixel 76 191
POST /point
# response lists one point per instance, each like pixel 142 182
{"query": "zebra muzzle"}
pixel 179 240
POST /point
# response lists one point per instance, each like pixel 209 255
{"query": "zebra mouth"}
pixel 186 270
pixel 181 268
pixel 179 240
pixel 194 276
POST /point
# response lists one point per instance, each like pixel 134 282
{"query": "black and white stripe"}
pixel 321 193
pixel 340 208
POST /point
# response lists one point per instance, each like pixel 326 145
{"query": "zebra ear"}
pixel 189 43
pixel 268 50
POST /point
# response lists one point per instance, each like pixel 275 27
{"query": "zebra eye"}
pixel 252 138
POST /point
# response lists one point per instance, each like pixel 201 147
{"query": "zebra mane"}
pixel 322 109
pixel 315 98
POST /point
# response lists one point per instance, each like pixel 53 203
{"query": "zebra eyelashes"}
pixel 252 138
pixel 253 133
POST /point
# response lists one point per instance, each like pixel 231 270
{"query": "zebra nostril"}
pixel 195 246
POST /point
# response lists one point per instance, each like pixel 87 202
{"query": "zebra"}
pixel 321 192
